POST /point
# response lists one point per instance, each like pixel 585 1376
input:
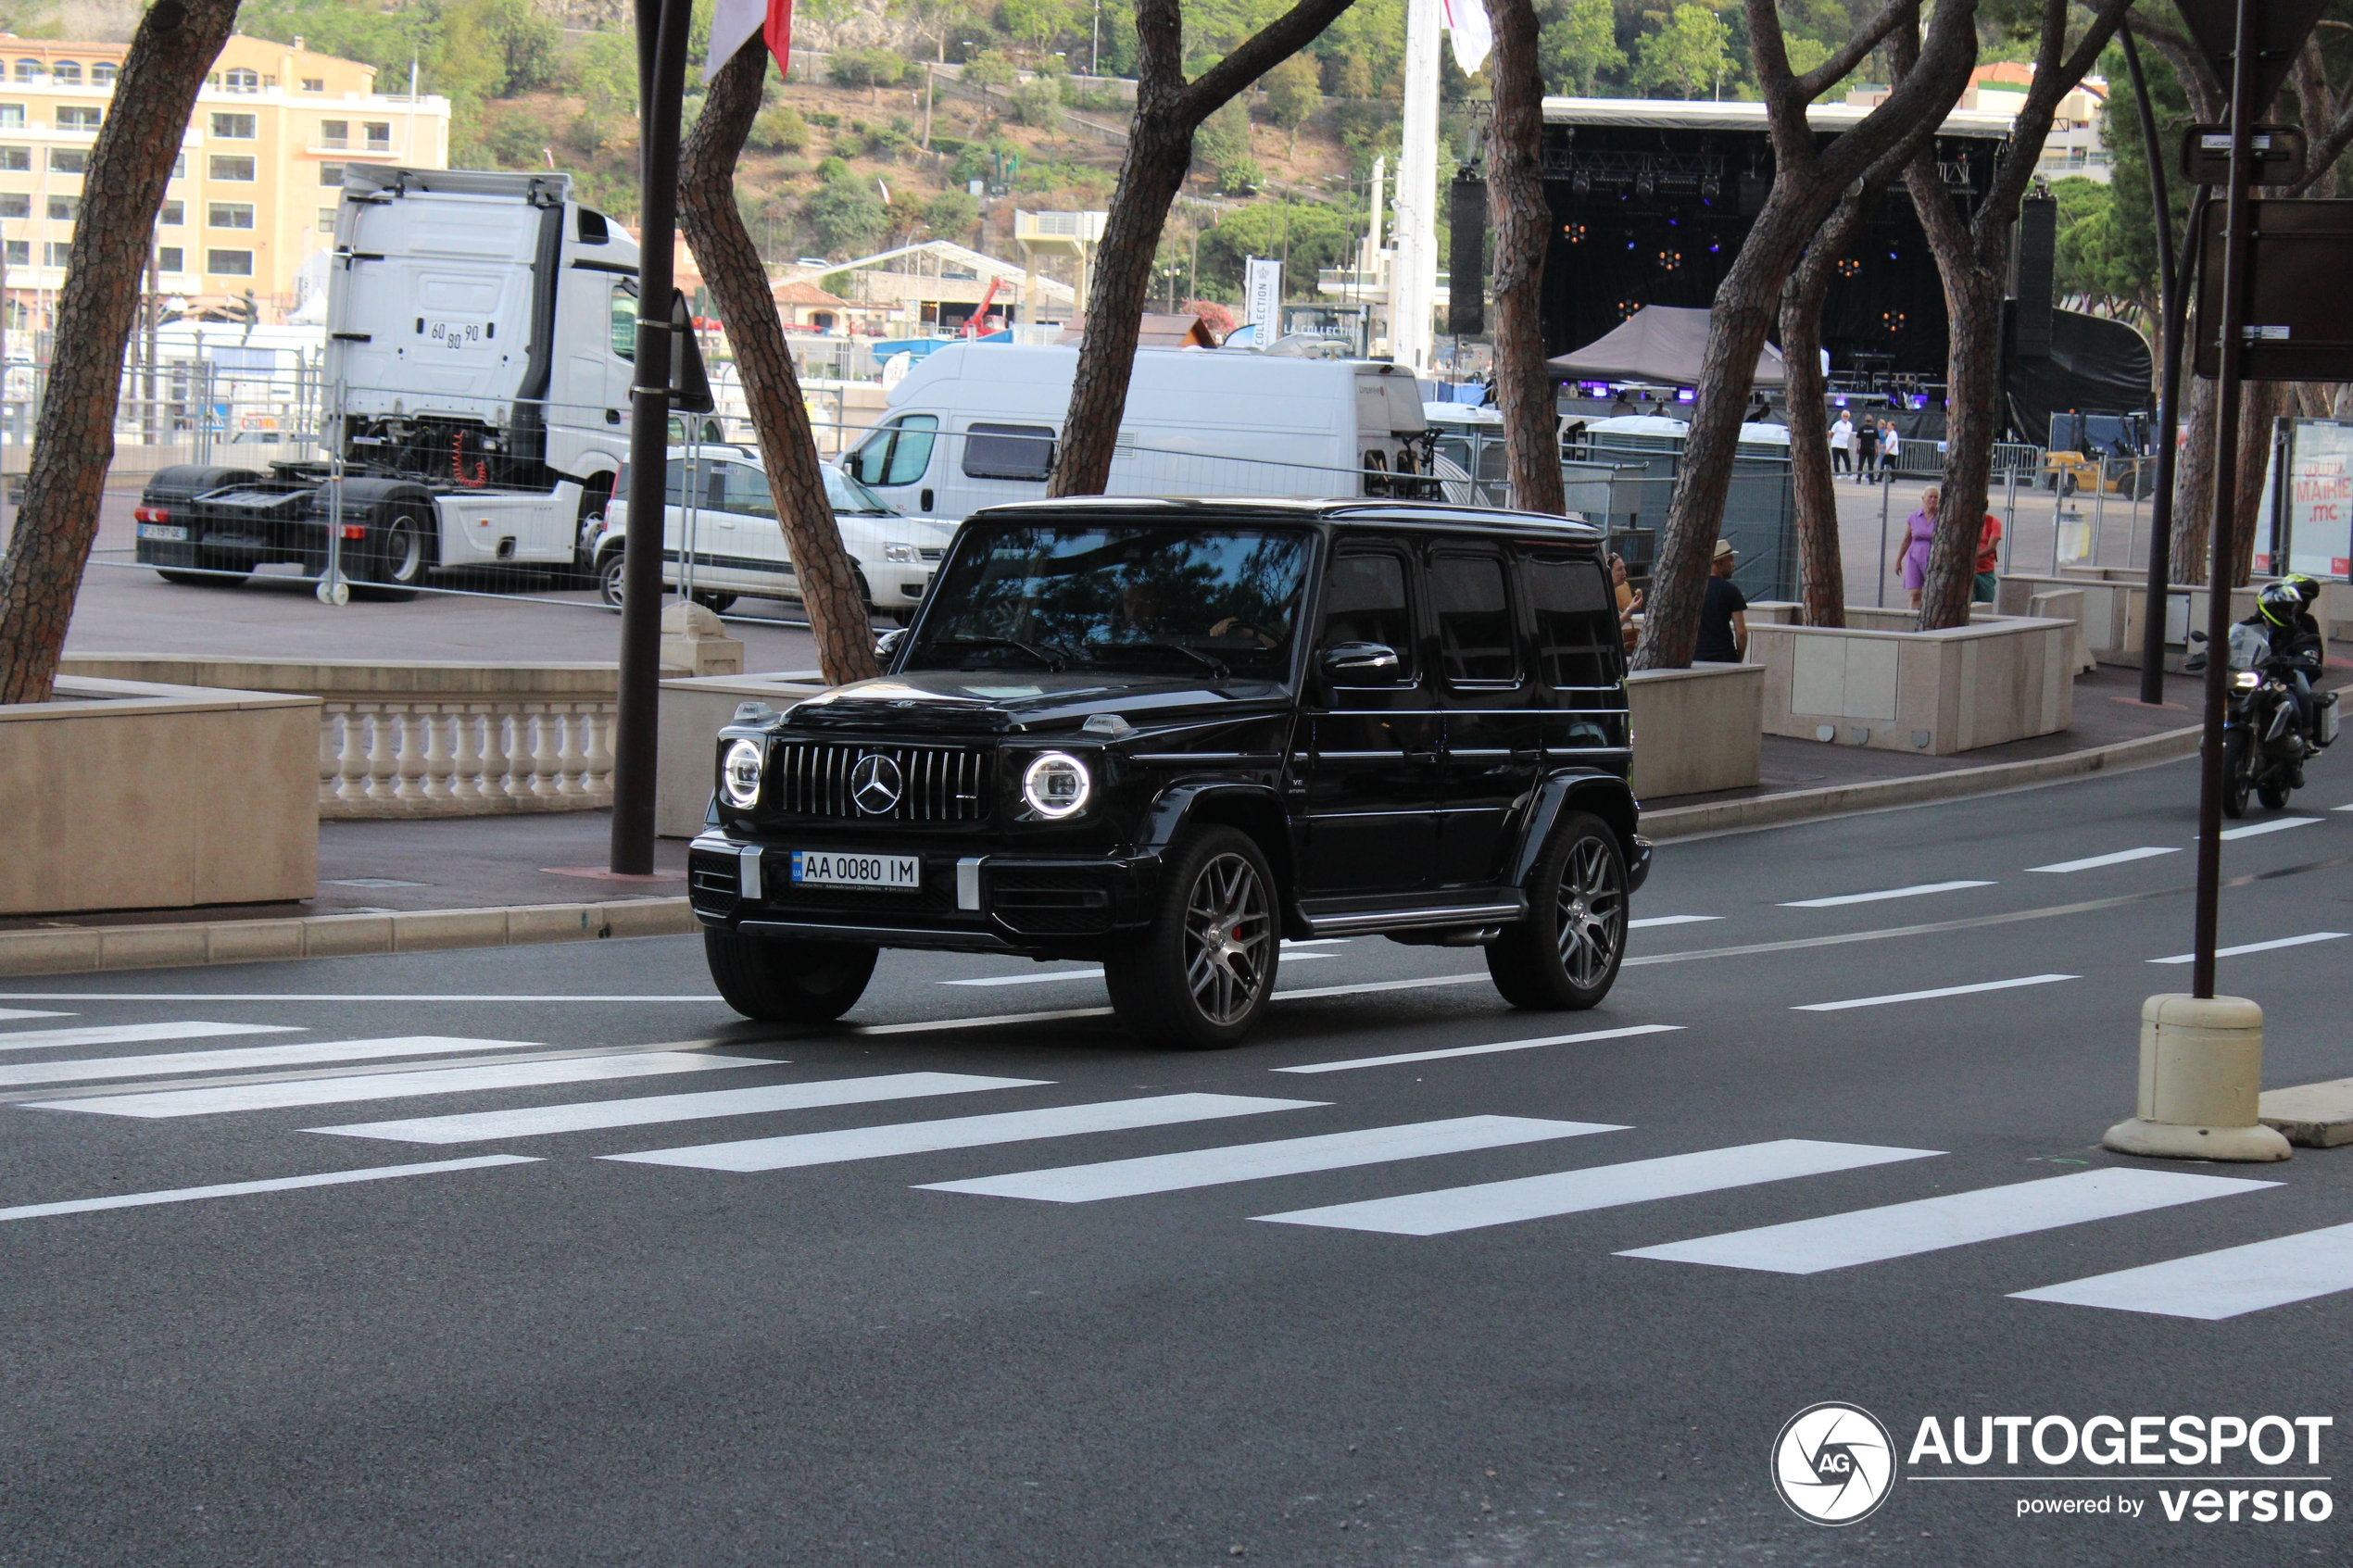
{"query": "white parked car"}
pixel 728 543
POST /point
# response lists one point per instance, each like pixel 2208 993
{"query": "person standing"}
pixel 1723 614
pixel 1890 447
pixel 1843 445
pixel 1989 560
pixel 1630 602
pixel 1920 533
pixel 1866 452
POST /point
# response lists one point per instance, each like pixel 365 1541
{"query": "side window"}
pixel 745 490
pixel 624 319
pixel 1365 601
pixel 1474 619
pixel 911 450
pixel 1009 451
pixel 1577 637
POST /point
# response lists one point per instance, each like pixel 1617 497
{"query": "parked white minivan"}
pixel 976 424
pixel 730 545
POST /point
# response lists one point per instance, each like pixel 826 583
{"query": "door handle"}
pixel 613 416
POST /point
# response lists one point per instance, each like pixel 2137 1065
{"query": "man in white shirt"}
pixel 1890 447
pixel 1843 445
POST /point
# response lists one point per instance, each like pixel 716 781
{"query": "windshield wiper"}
pixel 1053 659
pixel 1210 662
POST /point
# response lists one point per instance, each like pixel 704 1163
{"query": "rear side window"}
pixel 1365 602
pixel 1474 619
pixel 745 489
pixel 1009 451
pixel 1577 637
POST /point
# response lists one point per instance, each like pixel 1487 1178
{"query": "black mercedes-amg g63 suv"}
pixel 1169 735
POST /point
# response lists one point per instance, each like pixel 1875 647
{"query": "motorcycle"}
pixel 2263 747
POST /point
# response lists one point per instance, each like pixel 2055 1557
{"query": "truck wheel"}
pixel 608 578
pixel 396 562
pixel 787 981
pixel 1564 956
pixel 1200 974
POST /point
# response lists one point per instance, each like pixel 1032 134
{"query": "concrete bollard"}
pixel 693 639
pixel 2201 1079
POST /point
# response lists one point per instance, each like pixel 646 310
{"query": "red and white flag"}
pixel 1470 31
pixel 735 23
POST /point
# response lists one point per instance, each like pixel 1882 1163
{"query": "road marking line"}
pixel 992 1019
pixel 248 1057
pixel 1259 1161
pixel 2303 940
pixel 1649 920
pixel 1482 1050
pixel 537 1121
pixel 27 1012
pixel 1600 1186
pixel 2278 824
pixel 1930 995
pixel 130 1033
pixel 712 997
pixel 1913 892
pixel 2214 1285
pixel 1959 1218
pixel 960 1132
pixel 1090 973
pixel 241 1189
pixel 395 1086
pixel 1478 979
pixel 2094 862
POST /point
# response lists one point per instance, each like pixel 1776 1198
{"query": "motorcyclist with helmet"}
pixel 2282 614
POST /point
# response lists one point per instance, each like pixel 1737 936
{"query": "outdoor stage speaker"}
pixel 1467 269
pixel 2033 276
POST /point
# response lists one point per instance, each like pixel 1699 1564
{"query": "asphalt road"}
pixel 802 1352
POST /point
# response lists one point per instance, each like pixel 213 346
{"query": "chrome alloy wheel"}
pixel 1229 939
pixel 1589 913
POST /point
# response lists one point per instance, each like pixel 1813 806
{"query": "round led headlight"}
pixel 739 773
pixel 2249 679
pixel 1056 785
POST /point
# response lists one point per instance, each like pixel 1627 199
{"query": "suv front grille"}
pixel 935 783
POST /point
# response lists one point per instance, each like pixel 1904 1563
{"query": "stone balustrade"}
pixel 463 759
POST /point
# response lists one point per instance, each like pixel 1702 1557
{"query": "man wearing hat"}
pixel 1723 614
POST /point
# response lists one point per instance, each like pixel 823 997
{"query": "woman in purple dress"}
pixel 1919 532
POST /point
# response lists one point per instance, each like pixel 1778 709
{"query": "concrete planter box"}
pixel 692 711
pixel 129 794
pixel 1995 680
pixel 2115 601
pixel 1695 730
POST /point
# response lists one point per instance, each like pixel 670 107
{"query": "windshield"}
pixel 1187 600
pixel 846 494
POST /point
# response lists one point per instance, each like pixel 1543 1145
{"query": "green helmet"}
pixel 2281 603
pixel 2305 589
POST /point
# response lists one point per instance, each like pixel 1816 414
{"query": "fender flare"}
pixel 1255 808
pixel 1606 796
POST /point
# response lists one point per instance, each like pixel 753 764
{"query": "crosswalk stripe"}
pixel 1601 1187
pixel 2255 830
pixel 534 1122
pixel 1932 996
pixel 960 1132
pixel 1958 1219
pixel 1912 892
pixel 1258 1161
pixel 2213 1285
pixel 132 1034
pixel 1648 920
pixel 93 1069
pixel 30 1012
pixel 241 1189
pixel 1482 1050
pixel 394 1084
pixel 2094 862
pixel 2305 940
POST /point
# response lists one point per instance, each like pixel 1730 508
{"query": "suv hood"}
pixel 998 702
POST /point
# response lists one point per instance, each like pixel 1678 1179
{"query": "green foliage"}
pixel 865 68
pixel 1577 41
pixel 2120 251
pixel 517 142
pixel 831 169
pixel 1034 23
pixel 1039 103
pixel 1293 92
pixel 1315 235
pixel 1223 146
pixel 849 214
pixel 971 163
pixel 779 127
pixel 1690 53
pixel 990 69
pixel 2095 265
pixel 605 68
pixel 951 214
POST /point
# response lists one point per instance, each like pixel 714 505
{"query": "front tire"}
pixel 1564 956
pixel 2238 772
pixel 787 981
pixel 1202 974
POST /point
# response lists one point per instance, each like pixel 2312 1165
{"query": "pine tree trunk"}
pixel 2260 407
pixel 2194 484
pixel 73 441
pixel 1821 565
pixel 1973 299
pixel 831 591
pixel 1522 221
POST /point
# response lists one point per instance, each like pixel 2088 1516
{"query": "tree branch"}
pixel 1849 55
pixel 2053 80
pixel 1274 43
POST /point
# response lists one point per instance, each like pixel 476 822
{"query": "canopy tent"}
pixel 1659 346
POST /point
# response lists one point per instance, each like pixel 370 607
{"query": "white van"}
pixel 729 543
pixel 976 424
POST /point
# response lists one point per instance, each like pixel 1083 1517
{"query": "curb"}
pixel 1839 800
pixel 82 950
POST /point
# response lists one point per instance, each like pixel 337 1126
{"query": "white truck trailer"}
pixel 480 330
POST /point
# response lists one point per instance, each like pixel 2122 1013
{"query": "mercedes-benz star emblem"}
pixel 874 784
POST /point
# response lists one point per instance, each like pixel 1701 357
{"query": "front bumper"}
pixel 990 903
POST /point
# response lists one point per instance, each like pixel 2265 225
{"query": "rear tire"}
pixel 2273 792
pixel 396 562
pixel 1564 956
pixel 717 604
pixel 1200 976
pixel 608 578
pixel 787 982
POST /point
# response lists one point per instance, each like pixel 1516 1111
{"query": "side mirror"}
pixel 887 643
pixel 1361 664
pixel 854 466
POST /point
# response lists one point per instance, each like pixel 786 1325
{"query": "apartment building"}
pixel 254 192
